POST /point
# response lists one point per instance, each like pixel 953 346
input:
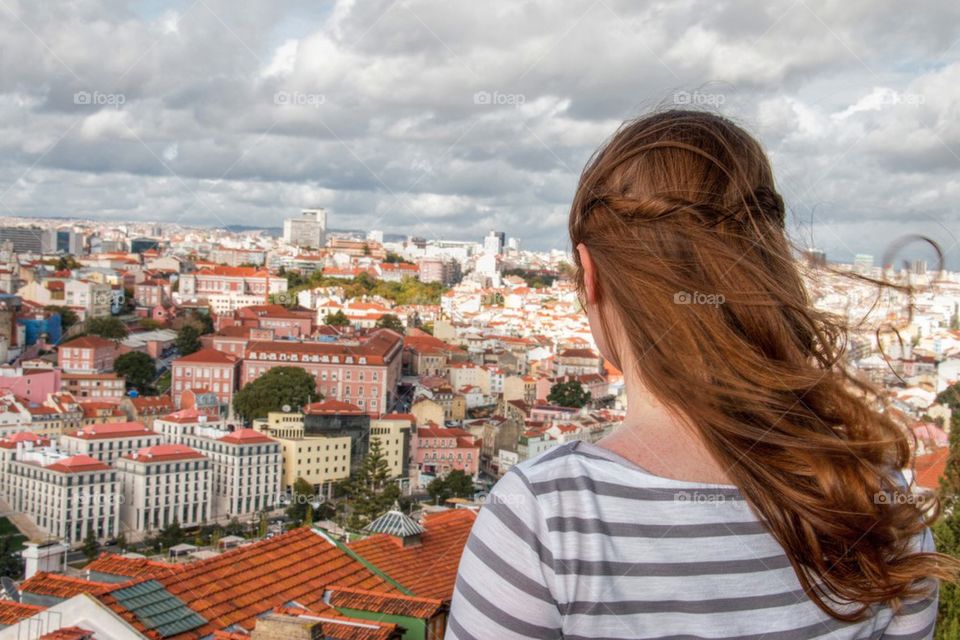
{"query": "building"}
pixel 334 418
pixel 320 460
pixel 437 451
pixel 246 465
pixel 226 289
pixel 363 372
pixel 309 230
pixel 33 385
pixel 162 484
pixel 208 370
pixel 68 496
pixel 87 354
pixel 108 442
pixel 443 270
pixel 27 239
pixel 393 432
pixel 152 293
pixel 108 387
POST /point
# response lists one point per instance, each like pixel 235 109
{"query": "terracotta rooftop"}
pixel 113 430
pixel 88 342
pixel 239 585
pixel 13 612
pixel 69 633
pixel 116 565
pixel 384 603
pixel 56 585
pixel 332 407
pixel 930 467
pixel 165 453
pixel 428 569
pixel 78 464
pixel 246 436
pixel 207 356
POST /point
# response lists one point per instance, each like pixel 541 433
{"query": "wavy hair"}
pixel 680 207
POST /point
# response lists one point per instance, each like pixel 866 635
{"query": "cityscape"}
pixel 310 419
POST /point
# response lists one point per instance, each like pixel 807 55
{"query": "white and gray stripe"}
pixel 581 544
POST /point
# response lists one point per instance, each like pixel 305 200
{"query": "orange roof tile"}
pixel 113 430
pixel 246 436
pixel 385 603
pixel 60 586
pixel 115 565
pixel 78 464
pixel 13 612
pixel 430 568
pixel 207 356
pixel 165 453
pixel 332 407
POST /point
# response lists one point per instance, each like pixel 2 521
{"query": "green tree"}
pixel 106 327
pixel 390 321
pixel 569 394
pixel 11 564
pixel 68 317
pixel 171 535
pixel 300 497
pixel 137 368
pixel 279 386
pixel 234 528
pixel 950 397
pixel 121 542
pixel 67 263
pixel 263 526
pixel 164 382
pixel 371 491
pixel 946 531
pixel 91 546
pixel 188 339
pixel 456 484
pixel 337 319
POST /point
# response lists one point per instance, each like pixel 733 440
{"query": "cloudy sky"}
pixel 446 118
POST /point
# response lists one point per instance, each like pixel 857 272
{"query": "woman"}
pixel 752 491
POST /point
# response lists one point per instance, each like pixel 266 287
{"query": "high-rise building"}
pixel 308 230
pixel 27 239
pixel 494 242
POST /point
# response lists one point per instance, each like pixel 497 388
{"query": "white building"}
pixel 162 484
pixel 68 496
pixel 309 230
pixel 246 465
pixel 107 442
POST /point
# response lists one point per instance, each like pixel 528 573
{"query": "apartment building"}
pixel 93 386
pixel 393 432
pixel 68 496
pixel 437 451
pixel 320 460
pixel 206 370
pixel 226 289
pixel 87 354
pixel 108 442
pixel 362 372
pixel 164 483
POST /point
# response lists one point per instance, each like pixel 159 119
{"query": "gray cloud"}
pixel 449 118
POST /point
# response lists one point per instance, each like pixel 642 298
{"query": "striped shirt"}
pixel 580 543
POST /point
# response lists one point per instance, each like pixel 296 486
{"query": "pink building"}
pixel 87 354
pixel 32 384
pixel 207 369
pixel 151 293
pixel 438 450
pixel 364 372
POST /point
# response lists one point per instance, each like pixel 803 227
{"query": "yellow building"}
pixel 320 460
pixel 393 432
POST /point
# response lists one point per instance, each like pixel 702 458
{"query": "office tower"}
pixel 308 230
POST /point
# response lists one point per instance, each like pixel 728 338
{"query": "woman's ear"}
pixel 589 273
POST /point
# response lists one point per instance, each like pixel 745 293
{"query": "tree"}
pixel 68 317
pixel 371 491
pixel 91 546
pixel 338 319
pixel 121 542
pixel 390 321
pixel 171 535
pixel 279 386
pixel 263 526
pixel 456 484
pixel 188 340
pixel 164 382
pixel 137 368
pixel 300 497
pixel 946 531
pixel 106 327
pixel 11 564
pixel 569 394
pixel 950 397
pixel 67 263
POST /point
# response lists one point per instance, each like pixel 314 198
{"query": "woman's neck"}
pixel 658 440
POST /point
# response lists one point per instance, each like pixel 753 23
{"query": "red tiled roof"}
pixel 409 417
pixel 78 464
pixel 116 565
pixel 246 436
pixel 207 356
pixel 60 586
pixel 930 468
pixel 152 404
pixel 375 348
pixel 389 604
pixel 13 612
pixel 430 568
pixel 234 272
pixel 336 625
pixel 332 407
pixel 113 430
pixel 165 453
pixel 88 342
pixel 68 633
pixel 237 586
pixel 184 416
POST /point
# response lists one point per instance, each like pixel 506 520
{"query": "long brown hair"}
pixel 686 230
